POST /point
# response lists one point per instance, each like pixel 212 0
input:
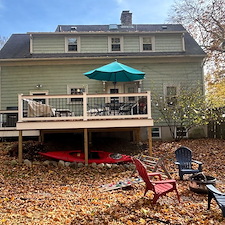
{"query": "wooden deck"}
pixel 89 111
pixel 85 112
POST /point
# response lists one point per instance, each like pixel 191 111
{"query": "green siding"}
pixel 55 78
pixel 49 44
pixel 161 74
pixel 99 43
pixel 17 80
pixel 168 43
pixel 95 44
pixel 131 44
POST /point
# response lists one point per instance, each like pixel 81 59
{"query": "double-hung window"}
pixel 42 100
pixel 146 43
pixel 72 44
pixel 115 44
pixel 76 90
pixel 171 95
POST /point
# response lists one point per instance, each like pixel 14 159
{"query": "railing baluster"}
pixel 86 107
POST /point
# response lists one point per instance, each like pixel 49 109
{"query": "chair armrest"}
pixel 198 162
pixel 155 175
pixel 212 189
pixel 164 181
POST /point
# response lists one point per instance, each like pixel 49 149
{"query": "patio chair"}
pixel 218 196
pixel 127 108
pixel 185 162
pixel 159 188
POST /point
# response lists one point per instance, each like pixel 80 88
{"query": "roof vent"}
pixel 164 27
pixel 73 28
pixel 113 26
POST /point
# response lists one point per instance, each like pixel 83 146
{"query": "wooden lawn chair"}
pixel 218 196
pixel 185 162
pixel 159 188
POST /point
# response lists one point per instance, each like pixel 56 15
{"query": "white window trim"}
pixel 160 133
pixel 66 44
pixel 152 40
pixel 69 87
pixel 119 86
pixel 41 92
pixel 110 43
pixel 177 85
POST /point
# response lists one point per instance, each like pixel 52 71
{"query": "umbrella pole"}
pixel 114 99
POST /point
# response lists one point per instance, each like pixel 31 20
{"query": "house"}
pixel 49 67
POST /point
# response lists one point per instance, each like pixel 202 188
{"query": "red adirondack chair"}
pixel 161 187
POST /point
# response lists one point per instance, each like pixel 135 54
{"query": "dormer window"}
pixel 146 44
pixel 115 44
pixel 72 44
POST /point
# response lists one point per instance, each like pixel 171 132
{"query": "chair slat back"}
pixel 142 171
pixel 184 157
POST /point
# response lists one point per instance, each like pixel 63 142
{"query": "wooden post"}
pixel 150 140
pixel 41 136
pixel 86 145
pixel 136 135
pixel 20 147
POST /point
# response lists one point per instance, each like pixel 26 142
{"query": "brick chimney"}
pixel 126 18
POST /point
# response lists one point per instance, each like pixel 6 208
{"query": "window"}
pixel 75 91
pixel 171 95
pixel 181 132
pixel 114 99
pixel 42 100
pixel 115 44
pixel 156 132
pixel 131 90
pixel 72 44
pixel 146 44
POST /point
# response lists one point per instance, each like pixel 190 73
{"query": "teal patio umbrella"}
pixel 115 72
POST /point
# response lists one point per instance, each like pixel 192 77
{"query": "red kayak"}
pixel 93 157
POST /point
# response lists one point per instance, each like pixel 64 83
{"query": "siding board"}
pixel 55 78
pixel 94 44
pixel 168 43
pixel 99 43
pixel 48 44
pixel 131 44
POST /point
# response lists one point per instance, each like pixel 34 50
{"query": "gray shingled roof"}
pixel 17 47
pixel 120 28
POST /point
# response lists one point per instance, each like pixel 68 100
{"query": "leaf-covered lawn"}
pixel 55 195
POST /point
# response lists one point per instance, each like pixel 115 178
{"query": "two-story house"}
pixel 49 67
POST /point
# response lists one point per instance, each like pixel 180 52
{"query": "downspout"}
pixel 31 44
pixel 183 42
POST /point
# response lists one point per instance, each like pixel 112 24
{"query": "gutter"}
pixel 86 60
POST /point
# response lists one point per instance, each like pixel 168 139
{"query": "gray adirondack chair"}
pixel 218 196
pixel 185 162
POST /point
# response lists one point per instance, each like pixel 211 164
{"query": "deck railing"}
pixel 83 107
pixel 8 119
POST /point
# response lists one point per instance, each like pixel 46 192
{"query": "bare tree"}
pixel 205 20
pixel 2 41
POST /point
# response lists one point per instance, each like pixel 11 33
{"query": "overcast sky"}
pixel 21 16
